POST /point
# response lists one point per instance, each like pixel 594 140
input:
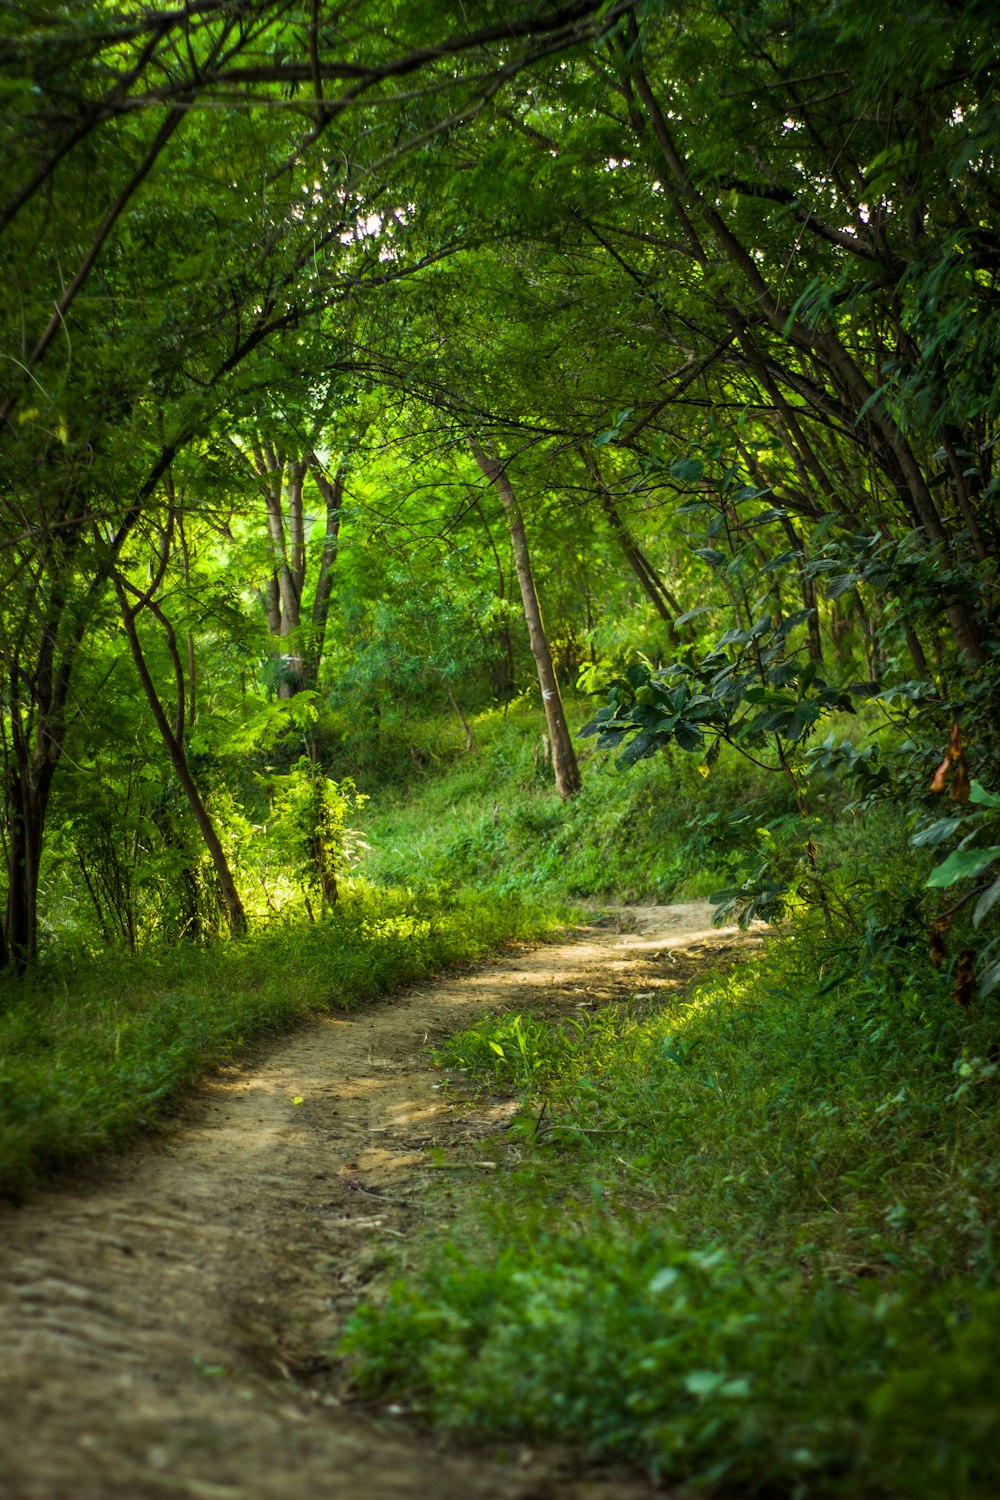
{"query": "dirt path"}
pixel 163 1327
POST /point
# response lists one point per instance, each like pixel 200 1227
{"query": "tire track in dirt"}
pixel 165 1322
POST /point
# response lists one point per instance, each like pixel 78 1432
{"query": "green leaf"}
pixel 687 470
pixel 808 711
pixel 797 617
pixel 989 980
pixel 962 865
pixel 986 903
pixel 688 735
pixel 936 833
pixel 981 797
pixel 769 695
pixel 644 744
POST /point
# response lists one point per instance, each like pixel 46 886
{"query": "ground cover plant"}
pixel 747 1240
pixel 666 831
pixel 93 1050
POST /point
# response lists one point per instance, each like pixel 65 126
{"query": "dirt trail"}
pixel 163 1326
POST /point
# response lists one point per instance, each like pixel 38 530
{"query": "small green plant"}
pixel 511 1052
pixel 973 834
pixel 309 828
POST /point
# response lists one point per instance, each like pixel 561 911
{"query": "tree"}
pixel 564 763
pixel 192 135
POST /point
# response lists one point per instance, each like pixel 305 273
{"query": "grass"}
pixel 93 1051
pixel 661 831
pixel 94 1048
pixel 746 1242
pixel 750 1245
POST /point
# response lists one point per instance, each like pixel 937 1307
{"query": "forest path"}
pixel 163 1323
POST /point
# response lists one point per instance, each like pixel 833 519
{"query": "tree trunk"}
pixel 282 487
pixel 564 762
pixel 333 495
pixel 666 603
pixel 28 797
pixel 178 759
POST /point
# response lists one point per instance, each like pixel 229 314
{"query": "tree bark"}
pixel 333 496
pixel 564 762
pixel 178 759
pixel 282 485
pixel 28 799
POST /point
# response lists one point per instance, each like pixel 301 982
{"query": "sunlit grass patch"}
pixel 660 832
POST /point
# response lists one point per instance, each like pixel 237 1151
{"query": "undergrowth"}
pixel 746 1241
pixel 94 1049
pixel 662 831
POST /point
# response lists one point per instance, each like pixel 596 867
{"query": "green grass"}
pixel 659 832
pixel 750 1244
pixel 92 1051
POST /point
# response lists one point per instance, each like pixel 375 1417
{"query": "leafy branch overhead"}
pixel 747 692
pixel 363 362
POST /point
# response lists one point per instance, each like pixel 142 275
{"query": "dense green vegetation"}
pixel 359 366
pixel 747 1239
pixel 661 833
pixel 390 391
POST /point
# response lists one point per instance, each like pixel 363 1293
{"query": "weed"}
pixel 512 1052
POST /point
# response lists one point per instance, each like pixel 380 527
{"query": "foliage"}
pixel 664 831
pixel 776 702
pixel 646 1350
pixel 715 287
pixel 750 1242
pixel 311 841
pixel 511 1052
pixel 971 860
pixel 740 366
